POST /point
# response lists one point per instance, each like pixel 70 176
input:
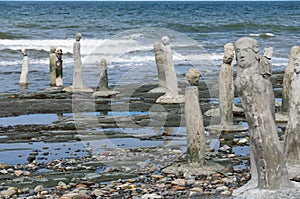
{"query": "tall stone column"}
pixel 24 72
pixel 77 85
pixel 226 87
pixel 171 95
pixel 268 163
pixel 103 86
pixel 194 127
pixel 159 60
pixel 52 66
pixel 103 76
pixel 59 68
pixel 77 78
pixel 292 132
pixel 288 74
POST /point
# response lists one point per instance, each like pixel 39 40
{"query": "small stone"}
pixel 3 165
pixel 226 193
pixel 44 192
pixel 18 172
pixel 151 196
pixel 38 189
pixel 178 188
pixel 158 177
pixel 153 168
pixel 224 148
pixel 9 192
pixel 3 171
pixel 196 189
pixel 81 186
pixel 243 141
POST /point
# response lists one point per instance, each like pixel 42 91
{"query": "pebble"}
pixel 9 192
pixel 38 189
pixel 18 172
pixel 3 165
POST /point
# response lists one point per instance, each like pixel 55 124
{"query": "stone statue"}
pixel 268 164
pixel 288 73
pixel 77 85
pixel 103 76
pixel 226 87
pixel 159 59
pixel 77 78
pixel 24 73
pixel 103 88
pixel 171 95
pixel 52 66
pixel 226 96
pixel 192 76
pixel 59 68
pixel 292 132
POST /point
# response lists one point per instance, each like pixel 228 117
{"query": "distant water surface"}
pixel 123 33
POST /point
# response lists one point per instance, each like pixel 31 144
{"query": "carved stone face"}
pixel 245 55
pixel 294 51
pixel 228 53
pixel 297 64
pixel 165 40
pixel 192 76
pixel 157 46
pixel 78 37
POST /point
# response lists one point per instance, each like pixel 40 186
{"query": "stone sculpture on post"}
pixel 77 85
pixel 171 95
pixel 52 66
pixel 268 164
pixel 292 132
pixel 196 164
pixel 226 95
pixel 159 59
pixel 24 74
pixel 282 116
pixel 59 68
pixel 226 87
pixel 103 87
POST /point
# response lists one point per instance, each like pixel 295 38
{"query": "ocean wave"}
pixel 263 35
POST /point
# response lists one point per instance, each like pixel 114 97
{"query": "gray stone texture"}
pixel 24 72
pixel 268 164
pixel 52 65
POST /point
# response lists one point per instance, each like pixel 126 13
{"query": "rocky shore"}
pixel 120 151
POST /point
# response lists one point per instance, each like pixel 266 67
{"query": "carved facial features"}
pixel 245 56
pixel 297 64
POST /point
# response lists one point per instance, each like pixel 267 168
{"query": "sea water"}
pixel 124 32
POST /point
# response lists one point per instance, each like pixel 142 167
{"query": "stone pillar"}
pixel 194 127
pixel 59 68
pixel 52 66
pixel 288 73
pixel 77 85
pixel 159 60
pixel 77 78
pixel 226 87
pixel 103 76
pixel 268 163
pixel 171 95
pixel 24 73
pixel 103 87
pixel 292 132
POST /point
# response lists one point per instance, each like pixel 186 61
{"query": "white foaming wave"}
pixel 267 34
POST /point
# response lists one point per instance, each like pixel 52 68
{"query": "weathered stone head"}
pixel 165 40
pixel 228 53
pixel 103 64
pixel 297 63
pixel 78 36
pixel 246 50
pixel 24 53
pixel 52 49
pixel 192 76
pixel 59 53
pixel 157 46
pixel 294 51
